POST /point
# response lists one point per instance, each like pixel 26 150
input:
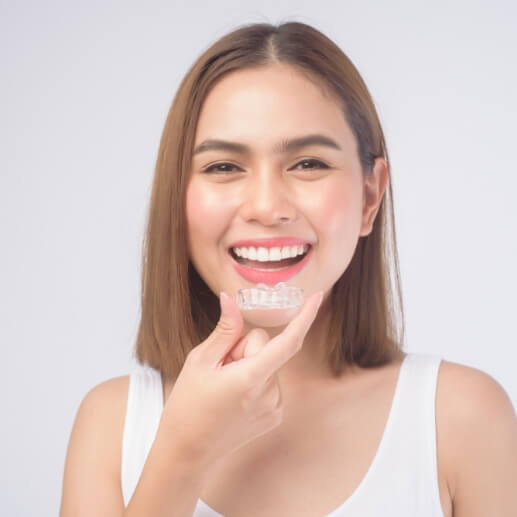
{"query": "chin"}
pixel 269 318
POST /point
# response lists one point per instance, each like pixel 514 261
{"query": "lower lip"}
pixel 264 276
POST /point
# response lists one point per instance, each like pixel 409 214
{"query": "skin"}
pixel 475 420
pixel 266 194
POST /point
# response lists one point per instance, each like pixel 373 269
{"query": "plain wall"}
pixel 85 90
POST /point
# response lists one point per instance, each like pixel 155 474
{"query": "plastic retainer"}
pixel 281 296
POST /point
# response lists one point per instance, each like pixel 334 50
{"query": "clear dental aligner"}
pixel 281 296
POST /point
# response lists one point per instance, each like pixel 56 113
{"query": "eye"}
pixel 318 163
pixel 216 167
pixel 211 168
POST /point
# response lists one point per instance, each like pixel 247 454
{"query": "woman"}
pixel 273 141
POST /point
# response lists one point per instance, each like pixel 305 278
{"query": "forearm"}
pixel 170 484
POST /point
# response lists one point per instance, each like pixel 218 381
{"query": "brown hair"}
pixel 179 311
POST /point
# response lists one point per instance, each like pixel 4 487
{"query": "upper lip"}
pixel 270 242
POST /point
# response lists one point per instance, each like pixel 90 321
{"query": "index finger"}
pixel 282 347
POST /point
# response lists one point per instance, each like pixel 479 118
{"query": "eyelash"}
pixel 209 170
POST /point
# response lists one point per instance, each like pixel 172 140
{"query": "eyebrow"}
pixel 285 146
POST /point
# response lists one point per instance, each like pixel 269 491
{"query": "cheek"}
pixel 195 204
pixel 205 212
pixel 337 206
pixel 338 220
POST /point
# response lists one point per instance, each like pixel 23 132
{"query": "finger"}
pixel 283 346
pixel 226 333
pixel 255 341
pixel 248 345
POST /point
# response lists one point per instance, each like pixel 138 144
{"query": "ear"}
pixel 373 192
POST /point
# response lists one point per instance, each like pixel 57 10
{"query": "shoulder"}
pixel 469 394
pixel 470 390
pixel 478 428
pixel 101 415
pixel 109 391
pixel 93 459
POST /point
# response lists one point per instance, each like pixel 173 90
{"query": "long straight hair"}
pixel 179 311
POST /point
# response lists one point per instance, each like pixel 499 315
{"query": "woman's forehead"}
pixel 267 90
pixel 251 110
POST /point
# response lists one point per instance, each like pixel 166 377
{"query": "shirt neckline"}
pixel 376 459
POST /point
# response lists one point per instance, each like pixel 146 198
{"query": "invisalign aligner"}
pixel 281 296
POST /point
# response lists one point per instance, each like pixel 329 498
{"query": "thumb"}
pixel 227 331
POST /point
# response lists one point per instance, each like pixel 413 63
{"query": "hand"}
pixel 227 393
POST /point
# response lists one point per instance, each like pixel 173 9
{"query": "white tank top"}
pixel 402 480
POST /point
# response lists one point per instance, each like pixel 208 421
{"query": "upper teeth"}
pixel 267 254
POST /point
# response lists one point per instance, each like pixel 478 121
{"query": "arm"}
pixel 169 485
pixel 482 436
pixel 90 482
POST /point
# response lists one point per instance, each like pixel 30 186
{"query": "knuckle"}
pixel 259 334
pixel 192 356
pixel 224 327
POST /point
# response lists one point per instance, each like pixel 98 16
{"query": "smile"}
pixel 269 272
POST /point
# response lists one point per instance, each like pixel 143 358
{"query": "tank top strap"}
pixel 143 414
pixel 410 455
pixel 403 480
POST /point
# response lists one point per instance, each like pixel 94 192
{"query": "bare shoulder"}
pixel 465 381
pixel 91 481
pixel 478 425
pixel 113 390
pixel 109 388
pixel 105 406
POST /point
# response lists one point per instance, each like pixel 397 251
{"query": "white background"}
pixel 84 92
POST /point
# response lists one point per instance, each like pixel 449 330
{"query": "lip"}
pixel 270 242
pixel 270 277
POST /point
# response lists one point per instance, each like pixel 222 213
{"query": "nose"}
pixel 268 200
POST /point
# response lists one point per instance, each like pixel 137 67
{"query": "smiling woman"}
pixel 241 159
pixel 273 167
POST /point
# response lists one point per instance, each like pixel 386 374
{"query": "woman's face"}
pixel 313 193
